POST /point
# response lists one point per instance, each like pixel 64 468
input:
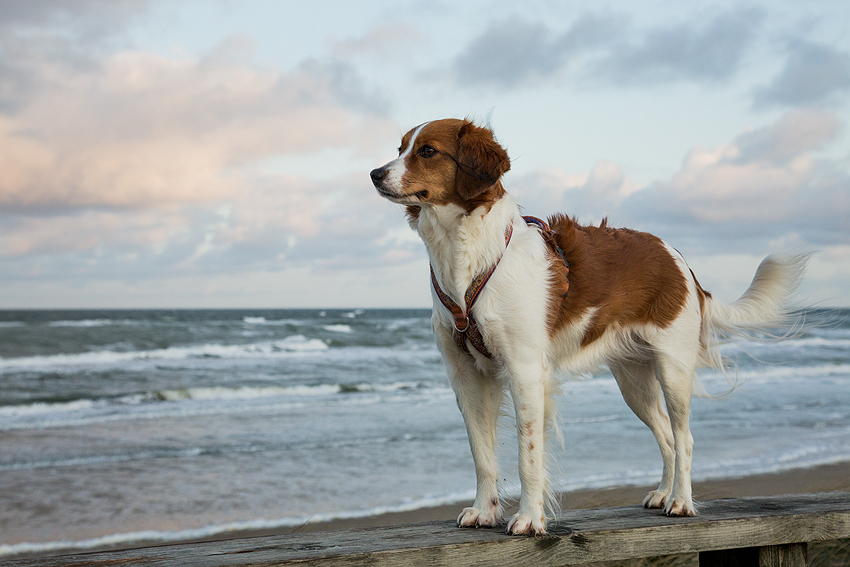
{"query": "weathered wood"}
pixel 580 536
pixel 791 555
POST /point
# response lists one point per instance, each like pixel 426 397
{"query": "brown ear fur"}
pixel 481 160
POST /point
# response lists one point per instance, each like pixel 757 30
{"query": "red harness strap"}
pixel 464 324
pixel 465 327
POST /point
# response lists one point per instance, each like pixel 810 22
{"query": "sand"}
pixel 825 478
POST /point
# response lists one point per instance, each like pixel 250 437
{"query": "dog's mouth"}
pixel 418 195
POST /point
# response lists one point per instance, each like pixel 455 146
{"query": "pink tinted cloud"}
pixel 143 131
pixel 757 175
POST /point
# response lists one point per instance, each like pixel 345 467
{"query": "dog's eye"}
pixel 427 151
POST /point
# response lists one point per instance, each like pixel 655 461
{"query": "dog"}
pixel 559 295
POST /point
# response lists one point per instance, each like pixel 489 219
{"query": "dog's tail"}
pixel 764 311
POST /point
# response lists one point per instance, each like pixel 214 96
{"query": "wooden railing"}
pixel 767 531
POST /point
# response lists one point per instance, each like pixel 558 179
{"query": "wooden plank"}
pixel 791 555
pixel 580 536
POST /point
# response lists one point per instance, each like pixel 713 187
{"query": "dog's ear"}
pixel 481 161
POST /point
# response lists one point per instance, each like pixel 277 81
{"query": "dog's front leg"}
pixel 479 397
pixel 528 388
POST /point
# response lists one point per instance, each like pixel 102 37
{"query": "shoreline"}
pixel 819 478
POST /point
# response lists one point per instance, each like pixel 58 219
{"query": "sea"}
pixel 121 426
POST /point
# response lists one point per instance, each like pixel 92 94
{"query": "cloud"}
pixel 41 13
pixel 147 166
pixel 142 130
pixel 767 185
pixel 513 51
pixel 795 133
pixel 75 33
pixel 591 196
pixel 273 223
pixel 693 51
pixel 813 73
pixel 597 47
pixel 384 39
pixel 764 182
pixel 509 53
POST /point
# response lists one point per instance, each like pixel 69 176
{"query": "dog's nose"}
pixel 377 175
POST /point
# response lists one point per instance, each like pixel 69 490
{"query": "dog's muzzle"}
pixel 378 175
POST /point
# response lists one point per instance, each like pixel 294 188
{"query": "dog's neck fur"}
pixel 461 245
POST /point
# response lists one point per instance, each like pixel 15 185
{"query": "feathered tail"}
pixel 764 311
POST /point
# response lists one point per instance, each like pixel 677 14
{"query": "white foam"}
pixel 99 459
pixel 213 400
pixel 58 362
pixel 86 323
pixel 338 328
pixel 767 373
pixel 245 392
pixel 41 408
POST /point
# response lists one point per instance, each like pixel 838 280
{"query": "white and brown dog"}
pixel 570 296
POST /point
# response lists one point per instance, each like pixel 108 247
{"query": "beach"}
pixel 126 428
pixel 825 478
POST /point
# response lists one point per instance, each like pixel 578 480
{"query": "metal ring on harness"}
pixel 465 327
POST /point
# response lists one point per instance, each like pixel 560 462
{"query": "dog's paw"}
pixel 655 499
pixel 475 518
pixel 522 524
pixel 680 507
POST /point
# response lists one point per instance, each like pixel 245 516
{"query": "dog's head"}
pixel 443 162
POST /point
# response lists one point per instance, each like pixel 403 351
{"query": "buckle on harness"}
pixel 465 321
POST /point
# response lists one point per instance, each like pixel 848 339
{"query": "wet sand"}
pixel 825 478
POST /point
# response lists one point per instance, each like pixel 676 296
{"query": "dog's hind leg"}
pixel 676 379
pixel 642 393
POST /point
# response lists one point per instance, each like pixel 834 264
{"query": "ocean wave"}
pixel 104 459
pixel 338 328
pixel 795 457
pixel 263 321
pixel 239 393
pixel 256 392
pixel 87 323
pixel 766 373
pixel 213 400
pixel 833 340
pixel 823 342
pixel 41 408
pixel 295 344
pixel 595 419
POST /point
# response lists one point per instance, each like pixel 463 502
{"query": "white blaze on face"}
pixel 397 167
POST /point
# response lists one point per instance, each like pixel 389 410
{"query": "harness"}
pixel 465 327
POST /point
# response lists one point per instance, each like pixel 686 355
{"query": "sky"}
pixel 214 154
